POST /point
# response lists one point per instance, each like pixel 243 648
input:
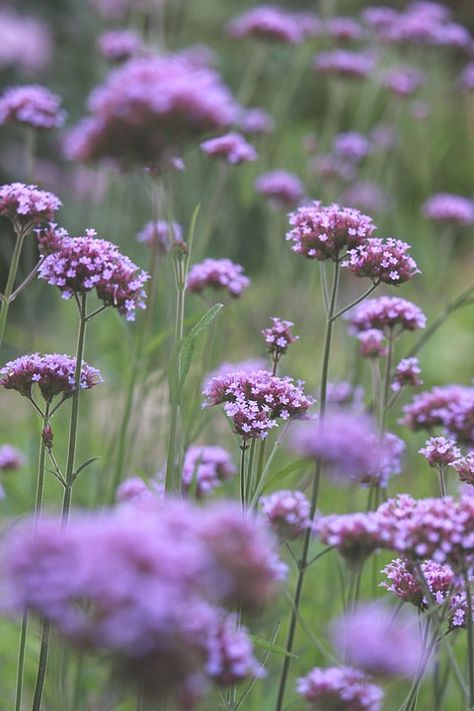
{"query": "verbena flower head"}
pixel 458 419
pixel 256 121
pixel 320 232
pixel 49 238
pixel 351 146
pixel 218 274
pixel 403 81
pixel 342 63
pixel 53 373
pixel 383 260
pixel 368 636
pixel 162 234
pixel 435 407
pixel 25 42
pixel 26 205
pixel 82 264
pixel 448 208
pixel 355 535
pixel 11 458
pixel 282 188
pixel 373 343
pixel 341 688
pixel 387 462
pixel 288 513
pixel 403 580
pixel 267 22
pixel 232 147
pixel 344 29
pixel 230 651
pixel 440 451
pixel 205 468
pixel 341 392
pixel 249 365
pixel 407 372
pixel 147 109
pixel 32 105
pixel 255 401
pixel 465 468
pixel 278 337
pixel 119 45
pixel 367 197
pixel 387 314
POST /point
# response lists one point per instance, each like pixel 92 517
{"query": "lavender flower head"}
pixel 288 513
pixel 435 407
pixel 322 233
pixel 119 45
pixel 440 451
pixel 205 468
pixel 256 121
pixel 162 234
pixel 407 372
pixel 278 337
pixel 82 264
pixel 135 492
pixel 356 535
pixel 230 651
pixel 282 188
pixel 232 147
pixel 351 146
pixel 342 63
pixel 464 466
pixel 31 105
pixel 403 81
pixel 255 401
pixel 26 205
pixel 218 274
pixel 343 393
pixel 53 373
pixel 404 581
pixel 386 314
pixel 450 209
pixel 267 22
pixel 344 29
pixel 367 637
pixel 383 261
pixel 49 238
pixel 11 458
pixel 373 343
pixel 341 688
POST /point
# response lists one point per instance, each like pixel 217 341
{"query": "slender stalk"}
pixel 21 661
pixel 442 481
pixel 386 385
pixel 6 301
pixel 41 466
pixel 315 493
pixel 42 664
pixel 470 639
pixel 356 301
pixel 243 482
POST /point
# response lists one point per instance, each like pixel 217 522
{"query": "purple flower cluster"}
pixel 450 406
pixel 256 121
pixel 218 274
pixel 407 372
pixel 440 451
pixel 82 264
pixel 204 468
pixel 344 29
pixel 278 337
pixel 26 205
pixel 403 580
pixel 341 392
pixel 385 261
pixel 53 373
pixel 249 365
pixel 147 109
pixel 465 468
pixel 232 147
pixel 282 188
pixel 288 513
pixel 322 233
pixel 11 458
pixel 351 146
pixel 32 105
pixel 25 41
pixel 49 238
pixel 119 45
pixel 366 196
pixel 267 22
pixel 255 401
pixel 341 688
pixel 451 209
pixel 343 63
pixel 403 81
pixel 386 314
pixel 152 589
pixel 355 535
pixel 162 234
pixel 373 343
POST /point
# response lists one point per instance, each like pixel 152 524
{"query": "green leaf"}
pixel 270 646
pixel 188 345
pixel 299 464
pixel 83 466
pixel 192 230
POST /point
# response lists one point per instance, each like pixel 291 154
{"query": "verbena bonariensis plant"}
pixel 151 598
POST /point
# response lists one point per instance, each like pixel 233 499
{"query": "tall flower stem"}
pixel 243 484
pixel 6 297
pixel 303 563
pixel 386 385
pixel 470 639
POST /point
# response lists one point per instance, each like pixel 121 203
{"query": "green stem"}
pixel 42 664
pixel 470 639
pixel 315 494
pixel 386 385
pixel 357 301
pixel 243 482
pixel 5 305
pixel 21 661
pixel 442 481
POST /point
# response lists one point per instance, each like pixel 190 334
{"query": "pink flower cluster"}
pixel 342 688
pixel 451 209
pixel 282 188
pixel 11 458
pixel 218 274
pixel 440 451
pixel 324 232
pixel 407 372
pixel 32 105
pixel 355 535
pixel 232 147
pixel 372 343
pixel 343 63
pixel 82 264
pixel 267 22
pixel 49 238
pixel 256 121
pixel 403 81
pixel 404 581
pixel 288 513
pixel 449 406
pixel 205 468
pixel 119 45
pixel 162 234
pixel 26 205
pixel 387 313
pixel 385 261
pixel 25 41
pixel 53 373
pixel 465 468
pixel 351 146
pixel 344 29
pixel 255 401
pixel 278 337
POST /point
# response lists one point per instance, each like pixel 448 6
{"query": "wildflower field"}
pixel 236 336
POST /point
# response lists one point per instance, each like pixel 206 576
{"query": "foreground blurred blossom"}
pixel 232 146
pixel 11 458
pixel 150 587
pixel 366 196
pixel 341 689
pixel 403 81
pixel 26 205
pixel 382 260
pixel 218 274
pixel 351 146
pixel 267 22
pixel 342 63
pixel 465 468
pixel 407 372
pixel 288 513
pixel 119 45
pixel 387 314
pixel 205 468
pixel 282 188
pixel 82 264
pixel 146 110
pixel 25 42
pixel 440 451
pixel 162 234
pixel 52 373
pixel 255 401
pixel 256 121
pixel 32 105
pixel 373 343
pixel 368 636
pixel 320 232
pixel 404 581
pixel 453 209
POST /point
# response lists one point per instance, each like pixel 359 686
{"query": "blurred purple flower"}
pixel 232 147
pixel 205 468
pixel 32 105
pixel 267 22
pixel 341 689
pixel 282 188
pixel 454 209
pixel 119 45
pixel 407 372
pixel 11 458
pixel 288 513
pixel 342 63
pixel 218 274
pixel 351 146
